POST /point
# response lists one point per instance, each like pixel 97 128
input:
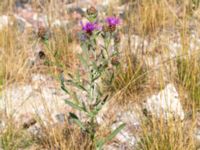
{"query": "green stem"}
pixel 107 44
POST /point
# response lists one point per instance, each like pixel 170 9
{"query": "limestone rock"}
pixel 42 100
pixel 3 21
pixel 165 104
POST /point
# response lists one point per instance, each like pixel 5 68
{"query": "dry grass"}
pixel 60 51
pixel 13 56
pixel 158 134
pixel 13 137
pixel 152 16
pixel 63 137
pixel 130 78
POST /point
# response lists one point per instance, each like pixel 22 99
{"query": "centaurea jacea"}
pixel 112 23
pixel 89 27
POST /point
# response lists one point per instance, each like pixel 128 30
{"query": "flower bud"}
pixel 117 38
pixel 105 28
pixel 91 11
pixel 112 23
pixel 42 32
pixel 112 28
pixel 115 61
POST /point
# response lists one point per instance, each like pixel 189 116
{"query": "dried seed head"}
pixel 117 38
pixel 112 23
pixel 115 61
pixel 29 123
pixel 91 11
pixel 112 28
pixel 105 28
pixel 41 55
pixel 42 32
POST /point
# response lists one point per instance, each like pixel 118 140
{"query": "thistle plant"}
pixel 97 60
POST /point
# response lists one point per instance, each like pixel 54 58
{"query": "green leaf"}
pixel 63 84
pixel 84 106
pixel 46 41
pixel 77 84
pixel 77 121
pixel 74 97
pixel 92 18
pixel 101 142
pixel 70 75
pixel 64 89
pixel 111 78
pixel 75 106
pixel 80 86
pixel 98 88
pixel 114 133
pixel 98 107
pixel 83 61
pixel 78 76
pixel 85 47
pixel 100 103
pixel 96 77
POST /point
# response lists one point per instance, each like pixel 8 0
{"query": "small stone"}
pixel 61 118
pixel 38 77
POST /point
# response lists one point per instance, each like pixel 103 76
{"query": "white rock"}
pixel 165 104
pixel 3 21
pixel 130 118
pixel 38 77
pixel 27 24
pixel 113 117
pixel 45 102
pixel 174 49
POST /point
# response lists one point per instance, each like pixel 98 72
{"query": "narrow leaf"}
pixel 63 84
pixel 83 61
pixel 101 142
pixel 77 121
pixel 114 133
pixel 64 89
pixel 75 106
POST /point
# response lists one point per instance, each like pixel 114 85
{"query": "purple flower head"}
pixel 89 27
pixel 112 21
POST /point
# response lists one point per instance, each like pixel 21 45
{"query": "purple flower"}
pixel 112 21
pixel 89 27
